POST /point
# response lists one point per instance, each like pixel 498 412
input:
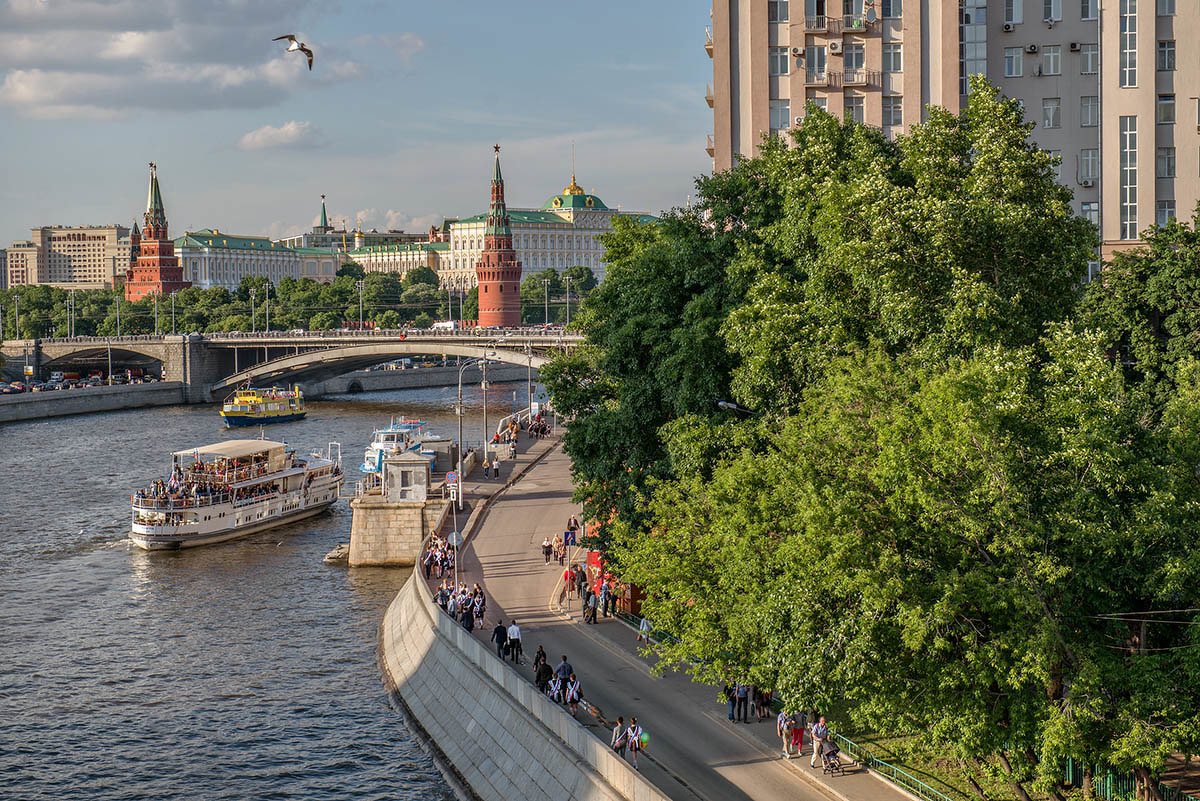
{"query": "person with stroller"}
pixel 819 737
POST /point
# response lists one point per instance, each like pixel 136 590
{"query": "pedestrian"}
pixel 620 737
pixel 512 449
pixel 730 693
pixel 468 617
pixel 428 562
pixel 564 669
pixel 743 700
pixel 574 694
pixel 555 689
pixel 634 735
pixel 591 607
pixel 514 642
pixel 605 595
pixel 539 658
pixel 568 578
pixel 799 720
pixel 820 736
pixel 543 677
pixel 496 467
pixel 546 549
pixel 485 467
pixel 783 728
pixel 500 637
pixel 644 634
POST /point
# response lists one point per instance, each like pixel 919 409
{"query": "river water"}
pixel 241 670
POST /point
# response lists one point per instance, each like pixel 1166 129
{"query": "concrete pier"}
pixel 36 405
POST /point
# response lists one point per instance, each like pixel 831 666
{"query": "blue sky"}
pixel 395 123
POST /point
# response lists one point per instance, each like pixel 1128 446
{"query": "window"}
pixel 892 58
pixel 781 115
pixel 1056 163
pixel 1012 62
pixel 1166 8
pixel 1052 60
pixel 1166 55
pixel 1089 59
pixel 1128 43
pixel 1012 10
pixel 1166 162
pixel 820 102
pixel 1129 176
pixel 1052 10
pixel 854 56
pixel 1089 111
pixel 777 10
pixel 1089 164
pixel 853 108
pixel 1165 113
pixel 779 61
pixel 1164 212
pixel 1088 9
pixel 893 111
pixel 1051 112
pixel 816 63
pixel 891 9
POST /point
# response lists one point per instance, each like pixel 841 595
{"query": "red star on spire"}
pixel 496 148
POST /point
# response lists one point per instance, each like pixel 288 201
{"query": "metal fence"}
pixel 887 770
pixel 1107 785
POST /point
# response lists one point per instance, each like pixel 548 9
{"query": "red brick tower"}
pixel 498 271
pixel 156 270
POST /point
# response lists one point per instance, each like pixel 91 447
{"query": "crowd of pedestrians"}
pixel 438 559
pixel 465 604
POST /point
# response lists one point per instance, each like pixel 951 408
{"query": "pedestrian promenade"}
pixel 695 752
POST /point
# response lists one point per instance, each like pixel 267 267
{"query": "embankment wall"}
pixel 36 405
pixel 376 380
pixel 501 736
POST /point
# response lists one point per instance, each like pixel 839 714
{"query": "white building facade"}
pixel 211 259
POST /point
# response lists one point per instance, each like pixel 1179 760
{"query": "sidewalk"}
pixel 695 752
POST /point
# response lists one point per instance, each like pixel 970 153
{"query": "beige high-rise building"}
pixel 1117 108
pixel 78 257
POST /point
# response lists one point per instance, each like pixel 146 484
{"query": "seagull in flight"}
pixel 301 46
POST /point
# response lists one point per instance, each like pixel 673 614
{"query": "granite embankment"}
pixel 502 738
pixel 377 380
pixel 36 405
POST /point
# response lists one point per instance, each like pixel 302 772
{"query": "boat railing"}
pixel 173 503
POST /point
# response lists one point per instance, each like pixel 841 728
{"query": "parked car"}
pixel 9 389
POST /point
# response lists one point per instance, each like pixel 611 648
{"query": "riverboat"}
pixel 400 436
pixel 231 489
pixel 253 407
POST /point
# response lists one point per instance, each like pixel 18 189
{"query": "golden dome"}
pixel 574 188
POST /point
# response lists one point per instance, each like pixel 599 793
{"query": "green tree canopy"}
pixel 421 275
pixel 351 270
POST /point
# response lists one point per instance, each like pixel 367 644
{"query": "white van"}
pixel 56 376
pixel 445 325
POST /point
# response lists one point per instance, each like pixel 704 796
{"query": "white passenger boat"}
pixel 398 437
pixel 233 488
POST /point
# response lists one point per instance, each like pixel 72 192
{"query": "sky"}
pixel 395 123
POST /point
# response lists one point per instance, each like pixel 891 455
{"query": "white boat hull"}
pixel 175 542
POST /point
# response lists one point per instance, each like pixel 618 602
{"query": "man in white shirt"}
pixel 514 642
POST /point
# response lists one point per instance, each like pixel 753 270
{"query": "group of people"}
pixel 746 700
pixel 465 604
pixel 491 469
pixel 438 559
pixel 556 550
pixel 538 427
pixel 508 642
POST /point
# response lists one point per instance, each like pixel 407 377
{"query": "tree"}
pixel 471 305
pixel 421 275
pixel 536 289
pixel 350 270
pixel 423 320
pixel 583 280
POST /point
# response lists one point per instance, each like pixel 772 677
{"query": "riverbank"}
pixel 36 405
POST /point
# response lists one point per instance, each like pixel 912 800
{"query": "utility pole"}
pixel 173 313
pixel 155 314
pixel 118 314
pixel 484 386
pixel 546 288
pixel 267 312
pixel 253 293
pixel 449 305
pixel 16 317
pixel 71 309
pixel 568 280
pixel 529 377
pixel 360 284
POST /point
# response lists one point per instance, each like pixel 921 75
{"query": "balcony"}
pixel 708 95
pixel 822 24
pixel 709 148
pixel 860 78
pixel 708 42
pixel 816 78
pixel 854 22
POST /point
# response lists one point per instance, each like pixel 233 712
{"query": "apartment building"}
pixel 75 257
pixel 1074 65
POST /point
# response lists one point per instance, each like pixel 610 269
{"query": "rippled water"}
pixel 240 670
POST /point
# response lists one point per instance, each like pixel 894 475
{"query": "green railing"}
pixel 1108 785
pixel 887 770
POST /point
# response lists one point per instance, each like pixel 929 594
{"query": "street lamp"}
pixel 155 314
pixel 546 287
pixel 253 293
pixel 458 410
pixel 267 311
pixel 568 280
pixel 360 284
pixel 173 313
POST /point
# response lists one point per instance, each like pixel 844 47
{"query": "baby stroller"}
pixel 831 760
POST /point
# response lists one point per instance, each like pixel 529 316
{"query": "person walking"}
pixel 605 595
pixel 514 642
pixel 592 604
pixel 730 693
pixel 539 658
pixel 799 721
pixel 500 637
pixel 743 701
pixel 620 737
pixel 564 669
pixel 574 694
pixel 820 736
pixel 783 728
pixel 634 735
pixel 543 677
pixel 546 549
pixel 496 467
pixel 512 449
pixel 468 617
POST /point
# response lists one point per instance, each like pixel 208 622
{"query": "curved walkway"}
pixel 695 751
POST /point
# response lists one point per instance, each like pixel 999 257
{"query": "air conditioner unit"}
pixel 835 47
pixel 1009 27
pixel 1031 48
pixel 1087 183
pixel 799 120
pixel 1049 23
pixel 798 52
pixel 1074 47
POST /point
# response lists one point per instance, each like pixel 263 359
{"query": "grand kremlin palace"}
pixel 562 233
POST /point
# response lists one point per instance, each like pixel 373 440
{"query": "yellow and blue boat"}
pixel 256 407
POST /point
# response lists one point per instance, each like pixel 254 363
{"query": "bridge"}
pixel 209 365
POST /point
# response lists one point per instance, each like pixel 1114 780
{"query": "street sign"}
pixel 451 477
pixel 454 492
pixel 454 538
pixel 533 408
pixel 28 369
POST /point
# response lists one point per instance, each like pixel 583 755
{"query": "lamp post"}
pixel 360 284
pixel 155 314
pixel 529 377
pixel 71 319
pixel 118 314
pixel 267 312
pixel 173 313
pixel 546 288
pixel 458 410
pixel 568 281
pixel 253 293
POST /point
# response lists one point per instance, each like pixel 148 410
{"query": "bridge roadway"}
pixel 695 752
pixel 208 365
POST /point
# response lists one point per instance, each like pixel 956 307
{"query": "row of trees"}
pixel 961 495
pixel 387 301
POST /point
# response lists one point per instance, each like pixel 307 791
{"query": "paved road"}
pixel 695 752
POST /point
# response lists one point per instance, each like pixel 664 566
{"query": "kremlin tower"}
pixel 156 269
pixel 498 271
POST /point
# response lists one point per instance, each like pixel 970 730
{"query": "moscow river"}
pixel 240 670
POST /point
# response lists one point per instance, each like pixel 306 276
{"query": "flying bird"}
pixel 301 46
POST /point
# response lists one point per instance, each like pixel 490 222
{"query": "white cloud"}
pixel 293 134
pixel 405 45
